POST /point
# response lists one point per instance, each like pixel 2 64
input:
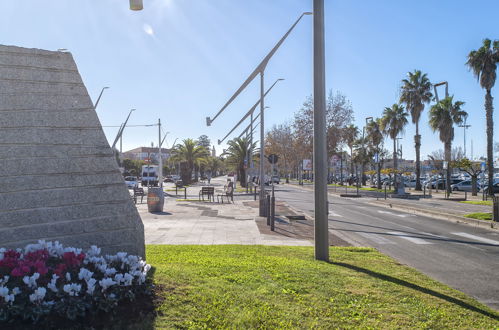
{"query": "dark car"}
pixel 495 188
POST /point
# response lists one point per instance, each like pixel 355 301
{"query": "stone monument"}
pixel 59 179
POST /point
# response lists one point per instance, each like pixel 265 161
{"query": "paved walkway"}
pixel 198 222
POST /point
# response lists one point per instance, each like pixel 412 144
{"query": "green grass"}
pixel 362 188
pixel 242 287
pixel 489 203
pixel 480 216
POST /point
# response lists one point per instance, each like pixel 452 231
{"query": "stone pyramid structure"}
pixel 58 177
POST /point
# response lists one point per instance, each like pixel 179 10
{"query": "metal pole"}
pixel 320 149
pixel 160 161
pixel 262 145
pixel 98 99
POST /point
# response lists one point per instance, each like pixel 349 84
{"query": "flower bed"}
pixel 47 283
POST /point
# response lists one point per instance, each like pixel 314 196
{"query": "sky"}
pixel 181 60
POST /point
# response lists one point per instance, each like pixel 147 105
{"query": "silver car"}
pixel 464 186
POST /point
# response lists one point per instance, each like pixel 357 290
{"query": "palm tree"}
pixel 351 134
pixel 236 153
pixel 191 153
pixel 483 63
pixel 443 116
pixel 415 92
pixel 392 124
pixel 375 139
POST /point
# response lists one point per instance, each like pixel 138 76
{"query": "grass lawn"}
pixel 362 188
pixel 478 202
pixel 480 215
pixel 241 287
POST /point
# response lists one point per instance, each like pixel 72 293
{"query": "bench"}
pixel 207 191
pixel 138 192
pixel 229 193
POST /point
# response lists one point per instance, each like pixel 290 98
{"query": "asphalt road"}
pixel 461 256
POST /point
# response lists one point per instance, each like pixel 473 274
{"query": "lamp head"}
pixel 280 79
pixel 136 5
pixel 208 122
pixel 308 13
pixel 105 87
pixel 220 142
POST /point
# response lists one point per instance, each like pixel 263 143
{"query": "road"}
pixel 461 256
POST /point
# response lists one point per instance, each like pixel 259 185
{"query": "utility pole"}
pixel 465 127
pixel 320 149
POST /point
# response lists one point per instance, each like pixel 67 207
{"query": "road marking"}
pixel 478 238
pixel 391 213
pixel 414 240
pixel 333 214
pixel 377 238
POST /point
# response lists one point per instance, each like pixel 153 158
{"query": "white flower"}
pixel 91 285
pixel 146 268
pixel 93 251
pixel 4 280
pixel 48 303
pixel 110 271
pixel 2 251
pixel 128 279
pixel 72 289
pixel 68 277
pixel 106 283
pixel 30 281
pixel 10 298
pixel 4 291
pixel 16 291
pixel 53 283
pixel 85 274
pixel 38 295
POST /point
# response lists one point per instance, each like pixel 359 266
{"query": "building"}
pixel 145 153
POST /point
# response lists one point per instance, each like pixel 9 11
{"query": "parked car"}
pixel 131 182
pixel 464 186
pixel 410 183
pixel 495 188
pixel 168 178
pixel 440 183
pixel 276 179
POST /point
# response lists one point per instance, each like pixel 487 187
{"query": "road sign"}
pixel 273 158
pixel 307 165
pixel 445 164
pixel 482 165
pixel 376 158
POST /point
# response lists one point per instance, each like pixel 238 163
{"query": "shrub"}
pixel 46 282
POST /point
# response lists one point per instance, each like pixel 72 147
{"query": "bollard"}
pixel 465 195
pixel 385 192
pixel 495 208
pixel 255 193
pixel 424 191
pixel 176 190
pixel 268 209
pixel 185 192
pixel 272 213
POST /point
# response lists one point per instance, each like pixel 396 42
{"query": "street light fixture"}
pixel 98 99
pixel 136 5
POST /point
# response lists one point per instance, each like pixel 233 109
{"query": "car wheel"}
pixel 455 189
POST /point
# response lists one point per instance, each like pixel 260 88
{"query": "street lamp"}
pixel 98 99
pixel 465 127
pixel 136 5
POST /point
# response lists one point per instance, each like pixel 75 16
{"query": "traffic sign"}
pixel 273 158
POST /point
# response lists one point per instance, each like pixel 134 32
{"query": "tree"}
pixel 351 134
pixel 191 153
pixel 415 92
pixel 204 141
pixel 443 116
pixel 236 153
pixel 375 140
pixel 483 63
pixel 473 169
pixel 279 141
pixel 392 124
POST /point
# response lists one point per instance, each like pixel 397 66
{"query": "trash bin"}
pixel 155 200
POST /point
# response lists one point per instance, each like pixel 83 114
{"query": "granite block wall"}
pixel 58 177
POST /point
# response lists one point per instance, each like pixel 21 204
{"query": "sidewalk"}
pixel 196 222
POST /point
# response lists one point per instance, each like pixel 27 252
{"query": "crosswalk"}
pixel 422 238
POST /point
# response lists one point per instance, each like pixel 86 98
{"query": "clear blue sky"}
pixel 180 60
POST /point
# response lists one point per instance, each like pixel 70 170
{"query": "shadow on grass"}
pixel 416 287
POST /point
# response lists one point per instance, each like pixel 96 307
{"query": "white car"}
pixel 131 182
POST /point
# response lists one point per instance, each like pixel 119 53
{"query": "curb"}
pixel 438 215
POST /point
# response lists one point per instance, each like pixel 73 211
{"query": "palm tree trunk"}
pixel 474 185
pixel 448 148
pixel 489 109
pixel 351 160
pixel 395 164
pixel 378 184
pixel 417 142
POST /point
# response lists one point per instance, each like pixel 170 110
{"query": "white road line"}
pixel 376 238
pixel 333 214
pixel 405 236
pixel 477 238
pixel 391 213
